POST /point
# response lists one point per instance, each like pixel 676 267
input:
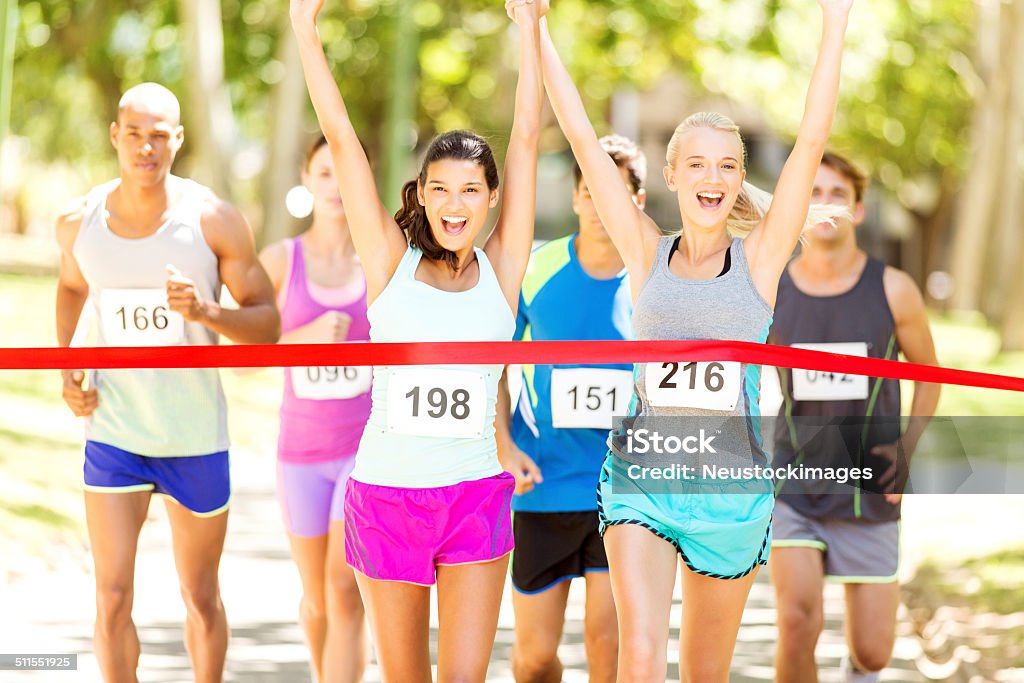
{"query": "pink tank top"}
pixel 324 409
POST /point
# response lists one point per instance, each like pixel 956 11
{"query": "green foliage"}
pixel 906 101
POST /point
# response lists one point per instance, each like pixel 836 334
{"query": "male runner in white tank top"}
pixel 149 252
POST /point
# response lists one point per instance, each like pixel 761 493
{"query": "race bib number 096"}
pixel 588 398
pixel 706 385
pixel 139 317
pixel 324 383
pixel 812 385
pixel 436 402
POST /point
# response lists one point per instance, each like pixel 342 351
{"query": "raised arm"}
pixel 634 234
pixel 771 243
pixel 378 240
pixel 508 247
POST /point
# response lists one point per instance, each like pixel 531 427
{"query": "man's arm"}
pixel 915 340
pixel 256 321
pixel 72 293
pixel 513 460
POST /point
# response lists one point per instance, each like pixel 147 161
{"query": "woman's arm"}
pixel 508 247
pixel 634 234
pixel 378 240
pixel 771 243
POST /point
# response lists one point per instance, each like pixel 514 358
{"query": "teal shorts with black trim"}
pixel 720 529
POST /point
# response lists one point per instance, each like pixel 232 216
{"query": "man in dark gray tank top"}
pixel 834 297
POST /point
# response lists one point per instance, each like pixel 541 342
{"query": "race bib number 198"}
pixel 707 385
pixel 139 317
pixel 811 385
pixel 436 402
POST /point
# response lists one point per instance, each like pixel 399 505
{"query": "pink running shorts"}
pixel 403 534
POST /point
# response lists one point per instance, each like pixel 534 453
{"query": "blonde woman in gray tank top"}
pixel 719 530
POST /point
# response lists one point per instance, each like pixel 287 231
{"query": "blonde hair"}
pixel 752 203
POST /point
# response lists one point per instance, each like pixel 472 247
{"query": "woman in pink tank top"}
pixel 321 293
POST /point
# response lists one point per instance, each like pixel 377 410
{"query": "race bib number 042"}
pixel 324 383
pixel 706 385
pixel 436 402
pixel 139 317
pixel 588 398
pixel 812 385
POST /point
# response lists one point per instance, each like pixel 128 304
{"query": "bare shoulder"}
pixel 224 226
pixel 903 294
pixel 69 222
pixel 274 258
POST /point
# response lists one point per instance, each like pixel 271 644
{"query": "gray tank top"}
pixel 859 421
pixel 723 395
pixel 151 412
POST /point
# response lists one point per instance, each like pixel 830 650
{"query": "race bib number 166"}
pixel 139 317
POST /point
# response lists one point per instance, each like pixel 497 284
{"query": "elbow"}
pixel 272 330
pixel 528 131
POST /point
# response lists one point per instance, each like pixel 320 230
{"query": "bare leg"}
pixel 798 575
pixel 114 521
pixel 310 555
pixel 400 618
pixel 346 650
pixel 466 627
pixel 871 623
pixel 600 628
pixel 539 621
pixel 712 612
pixel 643 574
pixel 198 544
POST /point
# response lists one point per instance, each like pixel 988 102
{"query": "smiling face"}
pixel 707 176
pixel 456 199
pixel 319 179
pixel 833 187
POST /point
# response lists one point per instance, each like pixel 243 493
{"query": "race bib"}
pixel 436 402
pixel 588 398
pixel 139 317
pixel 708 385
pixel 324 383
pixel 812 385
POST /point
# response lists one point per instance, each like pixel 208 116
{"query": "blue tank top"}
pixel 433 426
pixel 558 419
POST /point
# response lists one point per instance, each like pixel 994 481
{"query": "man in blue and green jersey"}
pixel 576 287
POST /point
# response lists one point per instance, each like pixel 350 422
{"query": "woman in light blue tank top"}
pixel 717 528
pixel 427 501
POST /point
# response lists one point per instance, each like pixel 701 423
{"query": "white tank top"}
pixel 433 426
pixel 155 412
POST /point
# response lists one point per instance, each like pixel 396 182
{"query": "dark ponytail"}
pixel 412 218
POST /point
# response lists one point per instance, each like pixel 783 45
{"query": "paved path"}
pixel 51 612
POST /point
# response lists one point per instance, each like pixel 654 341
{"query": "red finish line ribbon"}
pixel 487 353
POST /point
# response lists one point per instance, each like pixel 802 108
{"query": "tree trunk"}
pixel 1009 289
pixel 211 124
pixel 976 216
pixel 401 110
pixel 284 158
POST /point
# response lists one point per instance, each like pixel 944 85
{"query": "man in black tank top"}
pixel 834 297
